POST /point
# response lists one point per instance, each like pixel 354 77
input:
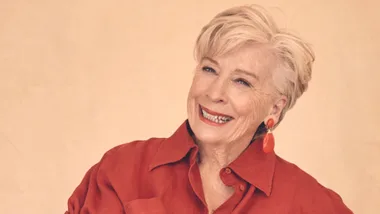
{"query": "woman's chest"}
pixel 181 190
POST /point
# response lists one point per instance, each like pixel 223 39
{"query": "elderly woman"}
pixel 249 73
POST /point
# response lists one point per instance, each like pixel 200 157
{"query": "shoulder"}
pixel 129 156
pixel 134 148
pixel 310 196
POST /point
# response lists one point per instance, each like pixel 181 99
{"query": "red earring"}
pixel 268 143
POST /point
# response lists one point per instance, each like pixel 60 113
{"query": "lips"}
pixel 214 113
pixel 213 118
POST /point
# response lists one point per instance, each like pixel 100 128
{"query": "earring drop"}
pixel 268 142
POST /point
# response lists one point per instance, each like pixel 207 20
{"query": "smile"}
pixel 212 117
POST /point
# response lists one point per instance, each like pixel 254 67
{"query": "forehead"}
pixel 257 59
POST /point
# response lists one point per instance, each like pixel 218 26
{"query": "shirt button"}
pixel 227 171
pixel 242 187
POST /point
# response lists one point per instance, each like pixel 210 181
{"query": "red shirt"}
pixel 161 176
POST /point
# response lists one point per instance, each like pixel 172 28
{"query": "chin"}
pixel 206 133
pixel 208 126
pixel 206 136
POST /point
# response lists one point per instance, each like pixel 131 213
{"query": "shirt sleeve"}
pixel 94 194
pixel 317 199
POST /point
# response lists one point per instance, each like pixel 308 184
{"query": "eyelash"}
pixel 208 69
pixel 243 82
pixel 239 80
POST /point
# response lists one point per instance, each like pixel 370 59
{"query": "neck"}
pixel 217 156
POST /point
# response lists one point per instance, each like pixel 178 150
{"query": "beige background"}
pixel 80 77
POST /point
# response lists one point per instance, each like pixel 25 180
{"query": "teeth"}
pixel 214 118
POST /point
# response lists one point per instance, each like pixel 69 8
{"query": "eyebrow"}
pixel 211 60
pixel 247 73
pixel 238 70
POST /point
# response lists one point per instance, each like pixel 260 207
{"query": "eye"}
pixel 243 82
pixel 208 69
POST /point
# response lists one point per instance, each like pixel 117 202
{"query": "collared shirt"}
pixel 161 176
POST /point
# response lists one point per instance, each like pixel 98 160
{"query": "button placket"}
pixel 231 179
pixel 227 176
pixel 227 170
pixel 242 187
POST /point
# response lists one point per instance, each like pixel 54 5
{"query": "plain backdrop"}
pixel 80 77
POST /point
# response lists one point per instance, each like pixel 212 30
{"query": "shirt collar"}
pixel 175 147
pixel 256 167
pixel 253 165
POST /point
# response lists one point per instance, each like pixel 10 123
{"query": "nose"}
pixel 217 91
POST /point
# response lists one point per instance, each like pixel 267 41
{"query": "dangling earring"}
pixel 268 142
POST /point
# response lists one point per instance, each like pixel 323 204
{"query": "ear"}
pixel 276 109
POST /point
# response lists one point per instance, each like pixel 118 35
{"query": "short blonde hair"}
pixel 240 25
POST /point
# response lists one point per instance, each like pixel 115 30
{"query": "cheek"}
pixel 250 106
pixel 198 86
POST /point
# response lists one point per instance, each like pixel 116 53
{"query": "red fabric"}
pixel 161 176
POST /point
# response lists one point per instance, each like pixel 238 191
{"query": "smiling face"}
pixel 232 95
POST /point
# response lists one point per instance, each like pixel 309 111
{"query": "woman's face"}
pixel 232 95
